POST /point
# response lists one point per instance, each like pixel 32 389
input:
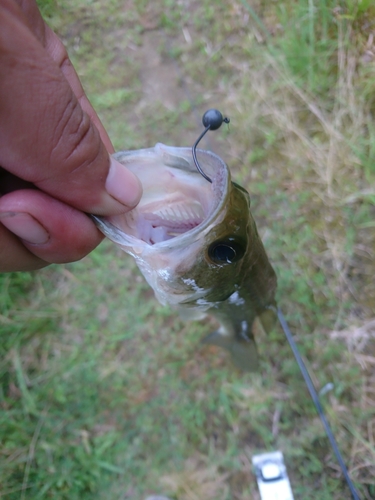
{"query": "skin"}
pixel 55 164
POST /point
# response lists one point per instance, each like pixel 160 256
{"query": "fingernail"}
pixel 123 185
pixel 25 227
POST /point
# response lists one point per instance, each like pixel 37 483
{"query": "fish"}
pixel 197 245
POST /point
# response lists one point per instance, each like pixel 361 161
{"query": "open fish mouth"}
pixel 165 217
pixel 176 198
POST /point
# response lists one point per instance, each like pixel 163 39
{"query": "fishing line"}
pixel 212 120
pixel 315 397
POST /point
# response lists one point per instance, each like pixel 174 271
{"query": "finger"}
pixel 47 228
pixel 14 256
pixel 32 16
pixel 58 53
pixel 47 138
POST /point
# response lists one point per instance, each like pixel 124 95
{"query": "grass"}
pixel 106 394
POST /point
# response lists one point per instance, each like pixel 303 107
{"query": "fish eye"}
pixel 226 251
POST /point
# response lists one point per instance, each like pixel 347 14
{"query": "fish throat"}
pixel 176 198
pixel 167 218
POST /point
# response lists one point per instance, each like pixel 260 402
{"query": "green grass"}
pixel 106 394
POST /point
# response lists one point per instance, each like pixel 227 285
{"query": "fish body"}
pixel 197 245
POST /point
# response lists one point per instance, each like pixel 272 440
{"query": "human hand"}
pixel 54 152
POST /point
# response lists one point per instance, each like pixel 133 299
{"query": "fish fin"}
pixel 219 339
pixel 244 351
pixel 245 355
pixel 188 314
pixel 268 319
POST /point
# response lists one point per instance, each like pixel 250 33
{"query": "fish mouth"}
pixel 165 219
pixel 176 198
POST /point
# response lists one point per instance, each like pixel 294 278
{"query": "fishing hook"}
pixel 212 120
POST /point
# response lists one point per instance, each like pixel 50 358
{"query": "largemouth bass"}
pixel 197 245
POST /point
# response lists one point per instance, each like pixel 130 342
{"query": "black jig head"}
pixel 212 120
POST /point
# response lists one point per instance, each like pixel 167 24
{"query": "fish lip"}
pixel 220 184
